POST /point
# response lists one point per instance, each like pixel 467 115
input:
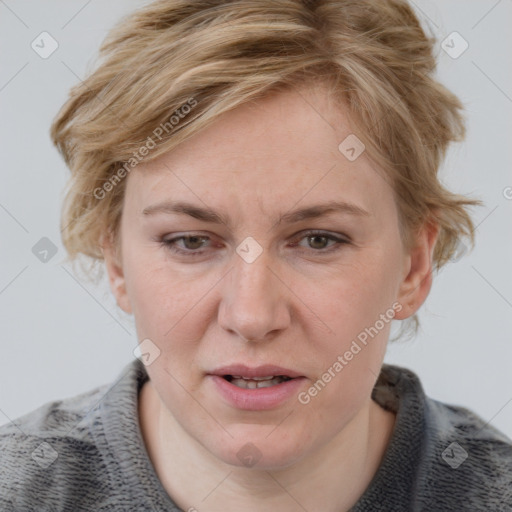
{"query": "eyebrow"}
pixel 212 216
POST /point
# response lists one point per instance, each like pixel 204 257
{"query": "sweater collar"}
pixel 399 390
pixel 396 389
pixel 120 413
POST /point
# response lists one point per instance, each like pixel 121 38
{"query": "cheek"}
pixel 354 296
pixel 356 305
pixel 169 308
pixel 158 295
pixel 349 358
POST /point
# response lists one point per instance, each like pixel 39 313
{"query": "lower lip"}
pixel 258 399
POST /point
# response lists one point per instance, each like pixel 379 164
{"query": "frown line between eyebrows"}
pixel 215 217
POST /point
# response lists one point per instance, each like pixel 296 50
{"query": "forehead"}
pixel 275 151
pixel 295 126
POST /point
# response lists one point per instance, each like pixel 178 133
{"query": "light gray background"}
pixel 62 337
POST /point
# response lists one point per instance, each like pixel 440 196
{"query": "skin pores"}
pixel 301 303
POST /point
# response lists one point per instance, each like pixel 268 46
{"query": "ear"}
pixel 113 264
pixel 417 280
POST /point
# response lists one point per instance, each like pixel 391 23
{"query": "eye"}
pixel 318 240
pixel 191 244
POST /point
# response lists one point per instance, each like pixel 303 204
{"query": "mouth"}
pixel 256 382
pixel 256 388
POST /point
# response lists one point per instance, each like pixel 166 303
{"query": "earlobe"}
pixel 115 273
pixel 417 281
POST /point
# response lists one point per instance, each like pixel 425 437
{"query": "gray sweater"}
pixel 86 453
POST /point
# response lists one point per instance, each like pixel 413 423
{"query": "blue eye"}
pixel 192 244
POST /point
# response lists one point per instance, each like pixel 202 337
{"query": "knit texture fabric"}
pixel 86 453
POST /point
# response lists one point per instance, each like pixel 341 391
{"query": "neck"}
pixel 330 479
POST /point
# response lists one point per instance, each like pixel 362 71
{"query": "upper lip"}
pixel 266 370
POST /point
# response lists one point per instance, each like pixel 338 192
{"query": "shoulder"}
pixel 50 456
pixel 469 457
pixel 455 458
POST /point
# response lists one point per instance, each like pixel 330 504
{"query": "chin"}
pixel 259 452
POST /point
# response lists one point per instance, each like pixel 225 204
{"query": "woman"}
pixel 260 179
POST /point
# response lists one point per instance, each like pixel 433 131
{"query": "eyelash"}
pixel 170 244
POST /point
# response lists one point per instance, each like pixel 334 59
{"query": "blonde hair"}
pixel 214 55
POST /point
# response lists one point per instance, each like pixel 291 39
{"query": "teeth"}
pixel 257 382
pixel 253 378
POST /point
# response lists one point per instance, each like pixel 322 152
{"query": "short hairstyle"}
pixel 171 68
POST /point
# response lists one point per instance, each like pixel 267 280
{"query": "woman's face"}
pixel 269 275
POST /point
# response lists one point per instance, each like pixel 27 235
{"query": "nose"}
pixel 255 302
